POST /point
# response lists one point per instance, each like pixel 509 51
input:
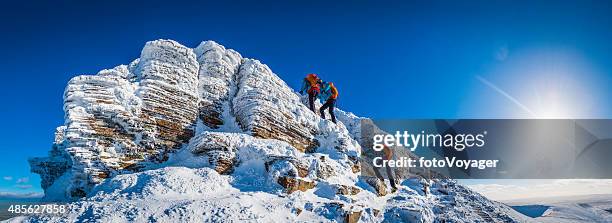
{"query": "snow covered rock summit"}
pixel 123 119
pixel 204 134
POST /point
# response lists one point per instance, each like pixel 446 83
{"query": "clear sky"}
pixel 426 59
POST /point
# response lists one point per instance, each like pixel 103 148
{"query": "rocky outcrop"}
pixel 123 119
pixel 56 164
pixel 347 190
pixel 379 187
pixel 220 150
pixel 292 184
pixel 299 168
pixel 284 164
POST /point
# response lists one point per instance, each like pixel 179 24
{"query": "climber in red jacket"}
pixel 311 85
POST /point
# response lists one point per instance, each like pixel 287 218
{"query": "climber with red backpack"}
pixel 328 95
pixel 311 85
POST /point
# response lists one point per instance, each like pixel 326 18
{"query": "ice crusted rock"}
pixel 265 106
pixel 117 121
pixel 279 161
pixel 205 135
pixel 56 164
pixel 218 67
pixel 122 119
pixel 168 88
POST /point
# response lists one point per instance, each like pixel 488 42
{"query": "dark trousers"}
pixel 329 104
pixel 311 99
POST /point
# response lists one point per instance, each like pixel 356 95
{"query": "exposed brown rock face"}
pixel 352 216
pixel 323 169
pixel 294 172
pixel 218 68
pixel 100 128
pixel 376 212
pixel 301 166
pixel 125 116
pixel 292 184
pixel 262 107
pixel 356 167
pixel 379 186
pixel 220 150
pixel 347 190
pixel 168 89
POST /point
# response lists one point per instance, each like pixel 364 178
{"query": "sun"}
pixel 548 86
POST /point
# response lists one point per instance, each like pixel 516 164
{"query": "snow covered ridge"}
pixel 203 134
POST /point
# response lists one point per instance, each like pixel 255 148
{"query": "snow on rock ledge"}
pixel 231 153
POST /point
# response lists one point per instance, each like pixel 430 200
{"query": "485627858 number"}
pixel 37 209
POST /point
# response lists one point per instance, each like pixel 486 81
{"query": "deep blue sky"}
pixel 388 59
